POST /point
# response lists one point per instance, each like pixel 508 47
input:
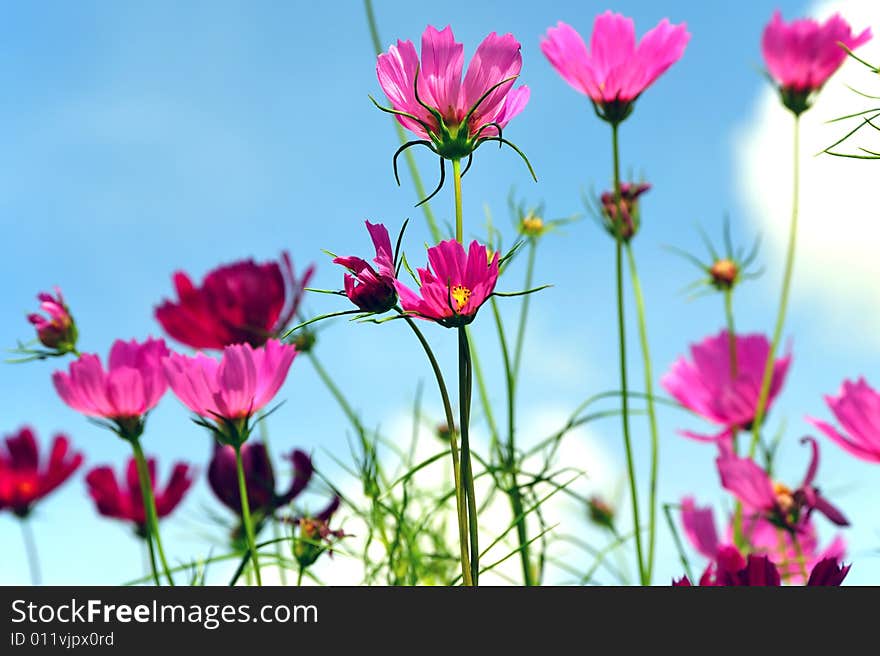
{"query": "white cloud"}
pixel 837 268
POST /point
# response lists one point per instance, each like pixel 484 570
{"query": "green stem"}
pixel 246 514
pixel 624 387
pixel 509 462
pixel 276 529
pixel 401 134
pixel 783 300
pixel 524 309
pixel 649 400
pixel 467 472
pixel 30 546
pixel 456 178
pixel 731 332
pixel 483 391
pixel 460 503
pixel 150 507
pixel 349 412
pixel 299 577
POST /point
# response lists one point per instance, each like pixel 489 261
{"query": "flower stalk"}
pixel 246 514
pixel 154 541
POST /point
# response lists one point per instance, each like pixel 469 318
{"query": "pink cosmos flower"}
pixel 123 500
pixel 774 501
pixel 56 330
pixel 452 113
pixel 803 54
pixel 242 302
pixel 369 289
pixel 229 392
pixel 127 390
pixel 763 538
pixel 615 70
pixel 730 569
pixel 24 480
pixel 705 385
pixel 857 408
pixel 459 284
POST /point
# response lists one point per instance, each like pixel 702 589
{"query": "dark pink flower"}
pixel 454 286
pixel 229 392
pixel 803 54
pixel 370 289
pixel 453 114
pixel 857 409
pixel 759 495
pixel 121 499
pixel 706 386
pixel 615 70
pixel 24 480
pixel 55 329
pixel 128 389
pixel 731 569
pixel 243 302
pixel 259 477
pixel 793 553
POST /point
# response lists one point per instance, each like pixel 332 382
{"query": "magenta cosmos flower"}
pixel 122 499
pixel 731 569
pixel 615 70
pixel 372 290
pixel 55 328
pixel 762 538
pixel 123 393
pixel 776 502
pixel 229 392
pixel 454 285
pixel 24 480
pixel 705 385
pixel 857 408
pixel 803 54
pixel 455 115
pixel 237 303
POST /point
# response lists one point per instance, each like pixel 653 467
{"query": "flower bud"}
pixel 57 329
pixel 622 217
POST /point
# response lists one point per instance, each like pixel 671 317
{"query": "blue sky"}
pixel 144 138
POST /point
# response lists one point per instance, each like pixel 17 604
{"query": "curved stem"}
pixel 246 514
pixel 621 326
pixel 467 472
pixel 783 299
pixel 509 461
pixel 149 500
pixel 401 134
pixel 649 402
pixel 460 503
pixel 30 546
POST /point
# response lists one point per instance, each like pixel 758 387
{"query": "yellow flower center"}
pixel 460 295
pixel 532 225
pixel 784 497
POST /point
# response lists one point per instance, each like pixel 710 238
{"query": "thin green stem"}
pixel 649 402
pixel 460 502
pixel 467 472
pixel 621 326
pixel 349 412
pixel 246 514
pixel 30 546
pixel 401 134
pixel 151 515
pixel 276 529
pixel 509 462
pixel 456 179
pixel 783 300
pixel 483 391
pixel 731 331
pixel 299 577
pixel 524 309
